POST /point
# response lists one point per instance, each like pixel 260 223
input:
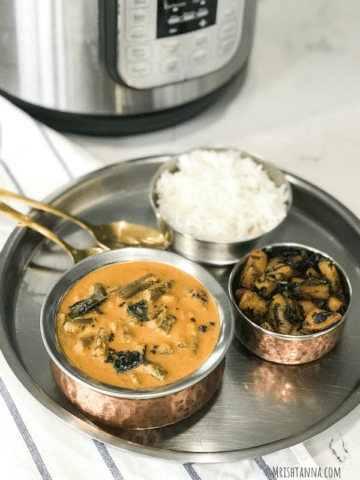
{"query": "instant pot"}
pixel 121 66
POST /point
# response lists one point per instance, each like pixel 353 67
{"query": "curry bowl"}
pixel 229 171
pixel 138 407
pixel 292 310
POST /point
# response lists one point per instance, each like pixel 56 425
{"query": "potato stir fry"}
pixel 290 291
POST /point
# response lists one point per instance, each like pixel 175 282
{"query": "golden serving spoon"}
pixel 25 221
pixel 109 235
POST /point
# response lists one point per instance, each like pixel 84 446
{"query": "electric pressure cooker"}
pixel 121 66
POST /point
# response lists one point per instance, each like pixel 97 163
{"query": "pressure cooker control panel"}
pixel 166 41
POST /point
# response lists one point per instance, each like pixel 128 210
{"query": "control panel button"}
pixel 201 39
pixel 139 69
pixel 138 34
pixel 171 47
pixel 227 28
pixel 201 56
pixel 138 52
pixel 172 64
pixel 137 16
pixel 226 46
pixel 229 13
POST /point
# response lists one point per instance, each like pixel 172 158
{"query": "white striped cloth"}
pixel 36 445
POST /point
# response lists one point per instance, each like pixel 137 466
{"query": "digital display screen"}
pixel 176 17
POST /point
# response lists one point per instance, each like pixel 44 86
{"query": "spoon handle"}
pixel 26 221
pixel 46 208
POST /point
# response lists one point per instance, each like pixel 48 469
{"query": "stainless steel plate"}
pixel 261 407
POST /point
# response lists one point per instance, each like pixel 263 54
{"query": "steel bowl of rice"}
pixel 291 302
pixel 216 204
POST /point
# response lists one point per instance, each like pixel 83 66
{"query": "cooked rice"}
pixel 219 196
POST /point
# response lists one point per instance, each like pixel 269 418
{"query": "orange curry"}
pixel 138 324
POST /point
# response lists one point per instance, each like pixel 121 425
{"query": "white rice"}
pixel 219 196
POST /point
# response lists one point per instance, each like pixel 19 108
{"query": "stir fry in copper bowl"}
pixel 289 291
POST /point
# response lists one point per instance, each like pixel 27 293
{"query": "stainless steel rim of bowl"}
pixel 278 335
pixel 53 299
pixel 275 174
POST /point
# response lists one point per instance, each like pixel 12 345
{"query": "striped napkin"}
pixel 34 444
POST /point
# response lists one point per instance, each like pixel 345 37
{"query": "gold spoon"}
pixel 109 235
pixel 25 221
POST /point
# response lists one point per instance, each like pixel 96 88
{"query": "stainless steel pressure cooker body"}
pixel 121 66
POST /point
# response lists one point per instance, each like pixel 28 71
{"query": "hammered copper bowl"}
pixel 286 349
pixel 209 252
pixel 127 408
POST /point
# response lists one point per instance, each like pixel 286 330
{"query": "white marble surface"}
pixel 299 108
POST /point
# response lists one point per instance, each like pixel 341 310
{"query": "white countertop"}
pixel 300 109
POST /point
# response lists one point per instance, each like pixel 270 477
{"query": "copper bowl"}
pixel 211 252
pixel 286 349
pixel 131 408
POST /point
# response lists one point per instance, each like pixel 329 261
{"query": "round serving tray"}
pixel 260 407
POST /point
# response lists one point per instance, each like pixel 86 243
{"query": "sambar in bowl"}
pixel 137 337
